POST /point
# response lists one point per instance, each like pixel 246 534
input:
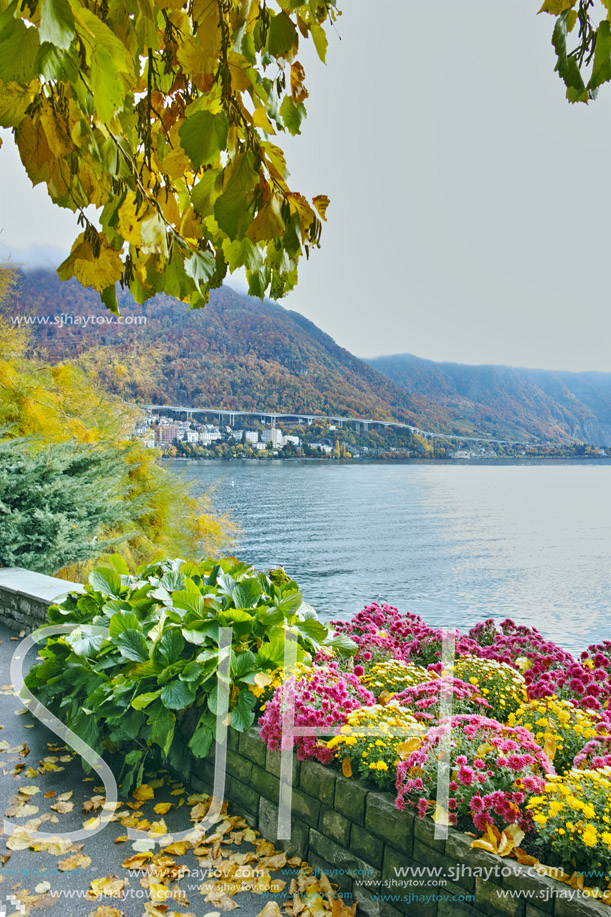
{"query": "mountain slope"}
pixel 238 352
pixel 245 354
pixel 505 400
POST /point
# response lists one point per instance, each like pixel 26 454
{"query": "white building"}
pixel 192 436
pixel 206 437
pixel 251 436
pixel 277 439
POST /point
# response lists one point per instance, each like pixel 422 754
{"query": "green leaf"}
pixel 118 563
pixel 343 645
pixel 292 115
pixel 601 68
pixel 200 267
pixel 171 646
pixel 109 298
pixel 242 663
pixel 163 723
pixel 192 671
pixel 567 66
pixel 242 715
pixel 311 628
pixel 201 740
pixel 87 644
pixel 106 84
pixel 106 580
pixel 177 695
pixel 18 54
pixel 132 645
pixel 321 42
pixel 203 136
pixel 290 603
pixel 282 33
pixel 143 700
pixel 247 593
pixel 56 23
pixel 271 654
pixel 233 208
pixel 122 621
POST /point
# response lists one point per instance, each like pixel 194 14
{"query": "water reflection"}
pixel 455 543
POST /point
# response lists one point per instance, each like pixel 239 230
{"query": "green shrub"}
pixel 148 691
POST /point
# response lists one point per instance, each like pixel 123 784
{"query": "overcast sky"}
pixel 470 202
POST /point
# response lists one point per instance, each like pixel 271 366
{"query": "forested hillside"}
pixel 242 353
pixel 238 352
pixel 505 400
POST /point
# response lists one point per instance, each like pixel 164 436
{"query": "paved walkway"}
pixel 36 774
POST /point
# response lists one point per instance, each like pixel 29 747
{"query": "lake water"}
pixel 454 543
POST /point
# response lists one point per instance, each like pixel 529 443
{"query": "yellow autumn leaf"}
pixel 137 861
pixel 321 202
pixel 76 861
pixel 489 841
pixel 260 120
pixel 106 886
pixel 271 909
pixel 104 910
pixel 263 679
pixel 128 224
pixel 404 749
pixel 549 745
pixel 178 848
pixel 556 7
pixel 99 273
pixel 159 892
pixel 121 839
pixel 511 838
pixel 440 815
pixel 29 790
pixel 298 90
pixel 162 808
pixel 347 767
pixel 144 792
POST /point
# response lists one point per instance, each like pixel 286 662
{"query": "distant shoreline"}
pixel 501 460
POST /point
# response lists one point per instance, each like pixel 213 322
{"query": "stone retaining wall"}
pixel 358 837
pixel 25 597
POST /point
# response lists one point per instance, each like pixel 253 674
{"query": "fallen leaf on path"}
pixel 77 861
pixel 107 886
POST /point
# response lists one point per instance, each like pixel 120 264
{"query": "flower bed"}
pixel 522 726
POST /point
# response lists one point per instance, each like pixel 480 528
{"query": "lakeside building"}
pixel 207 437
pixel 166 433
pixel 273 436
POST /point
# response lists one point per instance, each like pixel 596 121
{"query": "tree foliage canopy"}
pixel 163 115
pixel 582 42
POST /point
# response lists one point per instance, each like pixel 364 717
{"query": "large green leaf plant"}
pixel 147 693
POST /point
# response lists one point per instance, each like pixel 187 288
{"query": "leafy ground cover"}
pixel 529 755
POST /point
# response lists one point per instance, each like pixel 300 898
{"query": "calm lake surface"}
pixel 454 543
